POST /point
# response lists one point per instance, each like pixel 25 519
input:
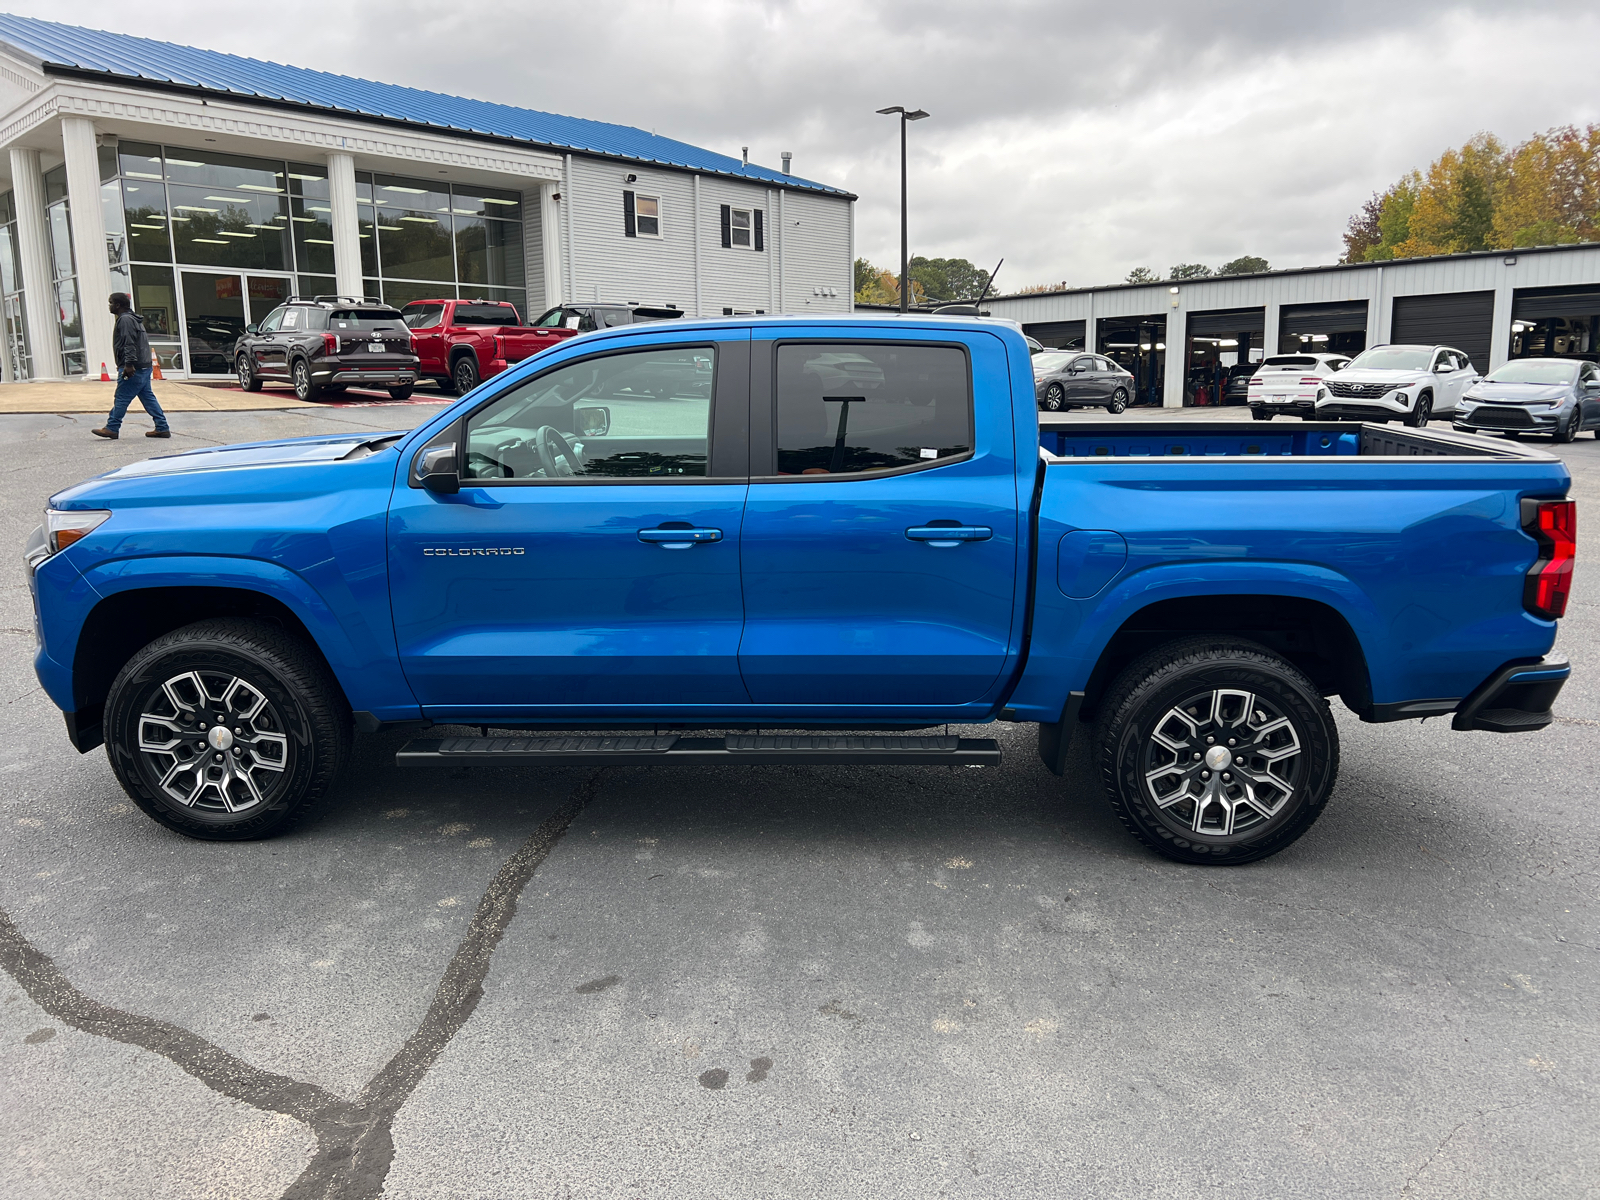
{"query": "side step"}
pixel 736 749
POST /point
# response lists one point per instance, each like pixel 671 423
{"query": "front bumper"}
pixel 1507 418
pixel 1515 699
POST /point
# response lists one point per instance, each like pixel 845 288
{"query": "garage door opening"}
pixel 1224 349
pixel 1058 335
pixel 1138 345
pixel 1323 328
pixel 1556 322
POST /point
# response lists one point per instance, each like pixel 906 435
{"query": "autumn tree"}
pixel 1551 195
pixel 1363 233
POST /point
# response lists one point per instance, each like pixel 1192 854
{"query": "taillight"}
pixel 1254 382
pixel 330 343
pixel 1554 525
pixel 1311 380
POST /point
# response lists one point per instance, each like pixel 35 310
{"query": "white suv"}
pixel 1408 383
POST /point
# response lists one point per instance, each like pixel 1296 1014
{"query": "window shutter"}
pixel 630 227
pixel 761 241
pixel 727 226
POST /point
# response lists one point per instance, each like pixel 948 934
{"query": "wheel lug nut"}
pixel 1205 774
pixel 1226 777
pixel 1209 739
pixel 1231 742
pixel 1197 756
pixel 236 752
pixel 219 758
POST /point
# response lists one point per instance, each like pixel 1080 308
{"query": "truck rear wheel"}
pixel 226 729
pixel 1216 751
pixel 464 374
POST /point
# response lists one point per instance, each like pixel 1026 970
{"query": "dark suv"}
pixel 586 318
pixel 326 344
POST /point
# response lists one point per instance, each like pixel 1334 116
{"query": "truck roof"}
pixel 913 320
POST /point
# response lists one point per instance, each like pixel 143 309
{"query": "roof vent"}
pixel 744 155
pixel 787 159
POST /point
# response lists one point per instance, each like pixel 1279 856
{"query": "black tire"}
pixel 1055 398
pixel 246 370
pixel 1567 431
pixel 1119 401
pixel 403 392
pixel 302 722
pixel 1146 700
pixel 1257 414
pixel 464 374
pixel 1422 412
pixel 305 388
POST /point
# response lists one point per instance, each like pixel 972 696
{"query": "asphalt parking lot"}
pixel 866 982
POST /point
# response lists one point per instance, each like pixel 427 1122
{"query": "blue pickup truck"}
pixel 801 540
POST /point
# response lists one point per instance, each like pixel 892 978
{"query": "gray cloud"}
pixel 1077 140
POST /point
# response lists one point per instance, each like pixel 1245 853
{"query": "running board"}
pixel 736 749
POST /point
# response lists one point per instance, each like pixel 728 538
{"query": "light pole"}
pixel 915 114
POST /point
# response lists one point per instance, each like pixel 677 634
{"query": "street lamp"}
pixel 915 114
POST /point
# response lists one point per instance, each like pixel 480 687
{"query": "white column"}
pixel 1271 330
pixel 550 242
pixel 569 278
pixel 346 225
pixel 777 248
pixel 698 310
pixel 1378 313
pixel 1500 324
pixel 851 253
pixel 1177 358
pixel 33 249
pixel 1089 340
pixel 88 240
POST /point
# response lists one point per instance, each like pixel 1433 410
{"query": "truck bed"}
pixel 1066 436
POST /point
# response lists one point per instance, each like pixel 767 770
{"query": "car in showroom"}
pixel 321 346
pixel 1291 384
pixel 1064 379
pixel 1557 396
pixel 1398 383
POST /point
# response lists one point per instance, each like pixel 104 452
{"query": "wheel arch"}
pixel 1311 634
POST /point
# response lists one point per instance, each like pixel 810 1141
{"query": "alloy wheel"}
pixel 1222 762
pixel 1053 397
pixel 213 742
pixel 245 373
pixel 302 380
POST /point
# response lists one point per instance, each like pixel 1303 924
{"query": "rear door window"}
pixel 424 316
pixel 855 407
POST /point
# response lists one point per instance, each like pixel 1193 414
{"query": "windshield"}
pixel 1051 360
pixel 423 316
pixel 1392 358
pixel 364 318
pixel 1532 370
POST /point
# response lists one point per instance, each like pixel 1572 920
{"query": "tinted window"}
pixel 270 325
pixel 862 407
pixel 656 402
pixel 486 314
pixel 423 316
pixel 1297 362
pixel 364 318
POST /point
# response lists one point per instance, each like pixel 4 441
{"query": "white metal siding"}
pixel 533 255
pixel 816 249
pixel 735 278
pixel 609 264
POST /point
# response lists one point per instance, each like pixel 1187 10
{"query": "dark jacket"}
pixel 129 345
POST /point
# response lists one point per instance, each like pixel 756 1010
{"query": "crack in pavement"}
pixel 354 1146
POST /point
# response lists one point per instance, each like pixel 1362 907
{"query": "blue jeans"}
pixel 129 386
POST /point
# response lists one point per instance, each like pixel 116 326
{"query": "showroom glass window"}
pixel 15 328
pixel 855 407
pixel 63 270
pixel 422 240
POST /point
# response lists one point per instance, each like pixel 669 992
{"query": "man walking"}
pixel 131 349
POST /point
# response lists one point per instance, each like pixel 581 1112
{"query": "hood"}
pixel 1519 393
pixel 1373 375
pixel 286 452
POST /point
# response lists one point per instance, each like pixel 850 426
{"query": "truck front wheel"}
pixel 1216 751
pixel 226 729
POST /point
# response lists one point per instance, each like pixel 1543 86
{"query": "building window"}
pixel 11 296
pixel 742 228
pixel 648 209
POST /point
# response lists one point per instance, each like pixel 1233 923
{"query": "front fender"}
pixel 362 658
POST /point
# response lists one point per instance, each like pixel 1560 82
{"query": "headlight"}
pixel 62 528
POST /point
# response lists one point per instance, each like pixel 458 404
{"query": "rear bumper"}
pixel 383 376
pixel 1299 406
pixel 1517 698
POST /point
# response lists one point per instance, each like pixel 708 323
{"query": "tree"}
pixel 948 279
pixel 1189 271
pixel 1143 275
pixel 866 275
pixel 1362 233
pixel 1454 209
pixel 1551 195
pixel 1245 264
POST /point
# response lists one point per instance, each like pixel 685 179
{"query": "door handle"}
pixel 945 536
pixel 680 539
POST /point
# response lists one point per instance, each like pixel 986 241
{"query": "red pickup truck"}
pixel 459 342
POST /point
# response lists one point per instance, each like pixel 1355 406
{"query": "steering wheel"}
pixel 556 455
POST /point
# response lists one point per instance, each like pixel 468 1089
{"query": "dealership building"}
pixel 1492 306
pixel 212 187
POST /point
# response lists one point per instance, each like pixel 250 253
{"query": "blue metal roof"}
pixel 124 56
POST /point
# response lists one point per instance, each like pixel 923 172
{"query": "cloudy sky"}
pixel 1076 140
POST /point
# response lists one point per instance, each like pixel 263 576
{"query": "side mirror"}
pixel 252 329
pixel 436 469
pixel 594 422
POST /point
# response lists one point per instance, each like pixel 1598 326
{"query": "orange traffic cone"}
pixel 157 364
pixel 104 378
